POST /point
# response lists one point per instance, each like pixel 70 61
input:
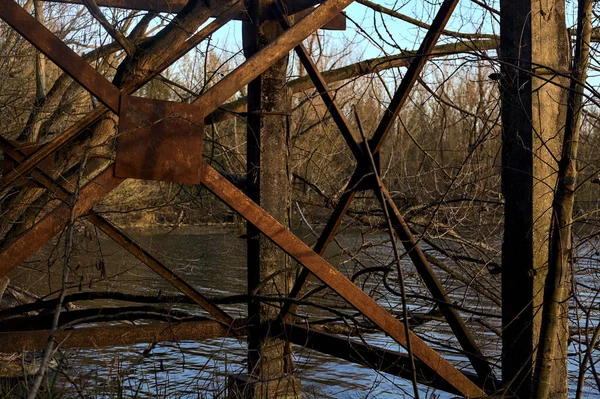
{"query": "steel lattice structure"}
pixel 183 163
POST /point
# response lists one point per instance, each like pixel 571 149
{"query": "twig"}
pixel 67 257
pixel 373 167
pixel 586 359
pixel 119 37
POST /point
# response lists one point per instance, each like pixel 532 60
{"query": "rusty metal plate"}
pixel 159 140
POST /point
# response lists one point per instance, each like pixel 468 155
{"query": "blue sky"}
pixel 468 17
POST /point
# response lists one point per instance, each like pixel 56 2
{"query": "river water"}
pixel 213 260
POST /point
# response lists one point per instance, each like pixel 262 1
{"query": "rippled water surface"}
pixel 213 260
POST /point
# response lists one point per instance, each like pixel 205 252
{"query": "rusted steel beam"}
pixel 122 239
pixel 56 220
pixel 326 94
pixel 263 59
pixel 215 96
pixel 76 129
pixel 412 74
pixel 136 250
pixel 435 287
pixel 54 48
pixel 103 336
pixel 335 280
pixel 358 352
pixel 321 245
pixel 297 9
pixel 422 265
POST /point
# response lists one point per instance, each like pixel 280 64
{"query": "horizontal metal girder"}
pixel 104 336
pixel 378 359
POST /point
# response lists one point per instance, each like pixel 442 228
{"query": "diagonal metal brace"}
pixel 425 270
pixel 123 240
pixel 335 280
pixel 84 123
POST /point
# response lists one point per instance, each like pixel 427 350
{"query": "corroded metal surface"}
pixel 54 222
pixel 159 140
pixel 103 336
pixel 335 280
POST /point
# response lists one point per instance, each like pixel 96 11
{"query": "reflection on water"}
pixel 213 260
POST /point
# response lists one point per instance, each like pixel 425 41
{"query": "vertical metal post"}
pixel 269 359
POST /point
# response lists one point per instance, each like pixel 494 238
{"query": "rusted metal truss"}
pixel 15 16
pixel 121 238
pixel 363 173
pixel 119 102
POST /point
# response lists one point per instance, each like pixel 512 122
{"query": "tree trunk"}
pixel 553 345
pixel 534 46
